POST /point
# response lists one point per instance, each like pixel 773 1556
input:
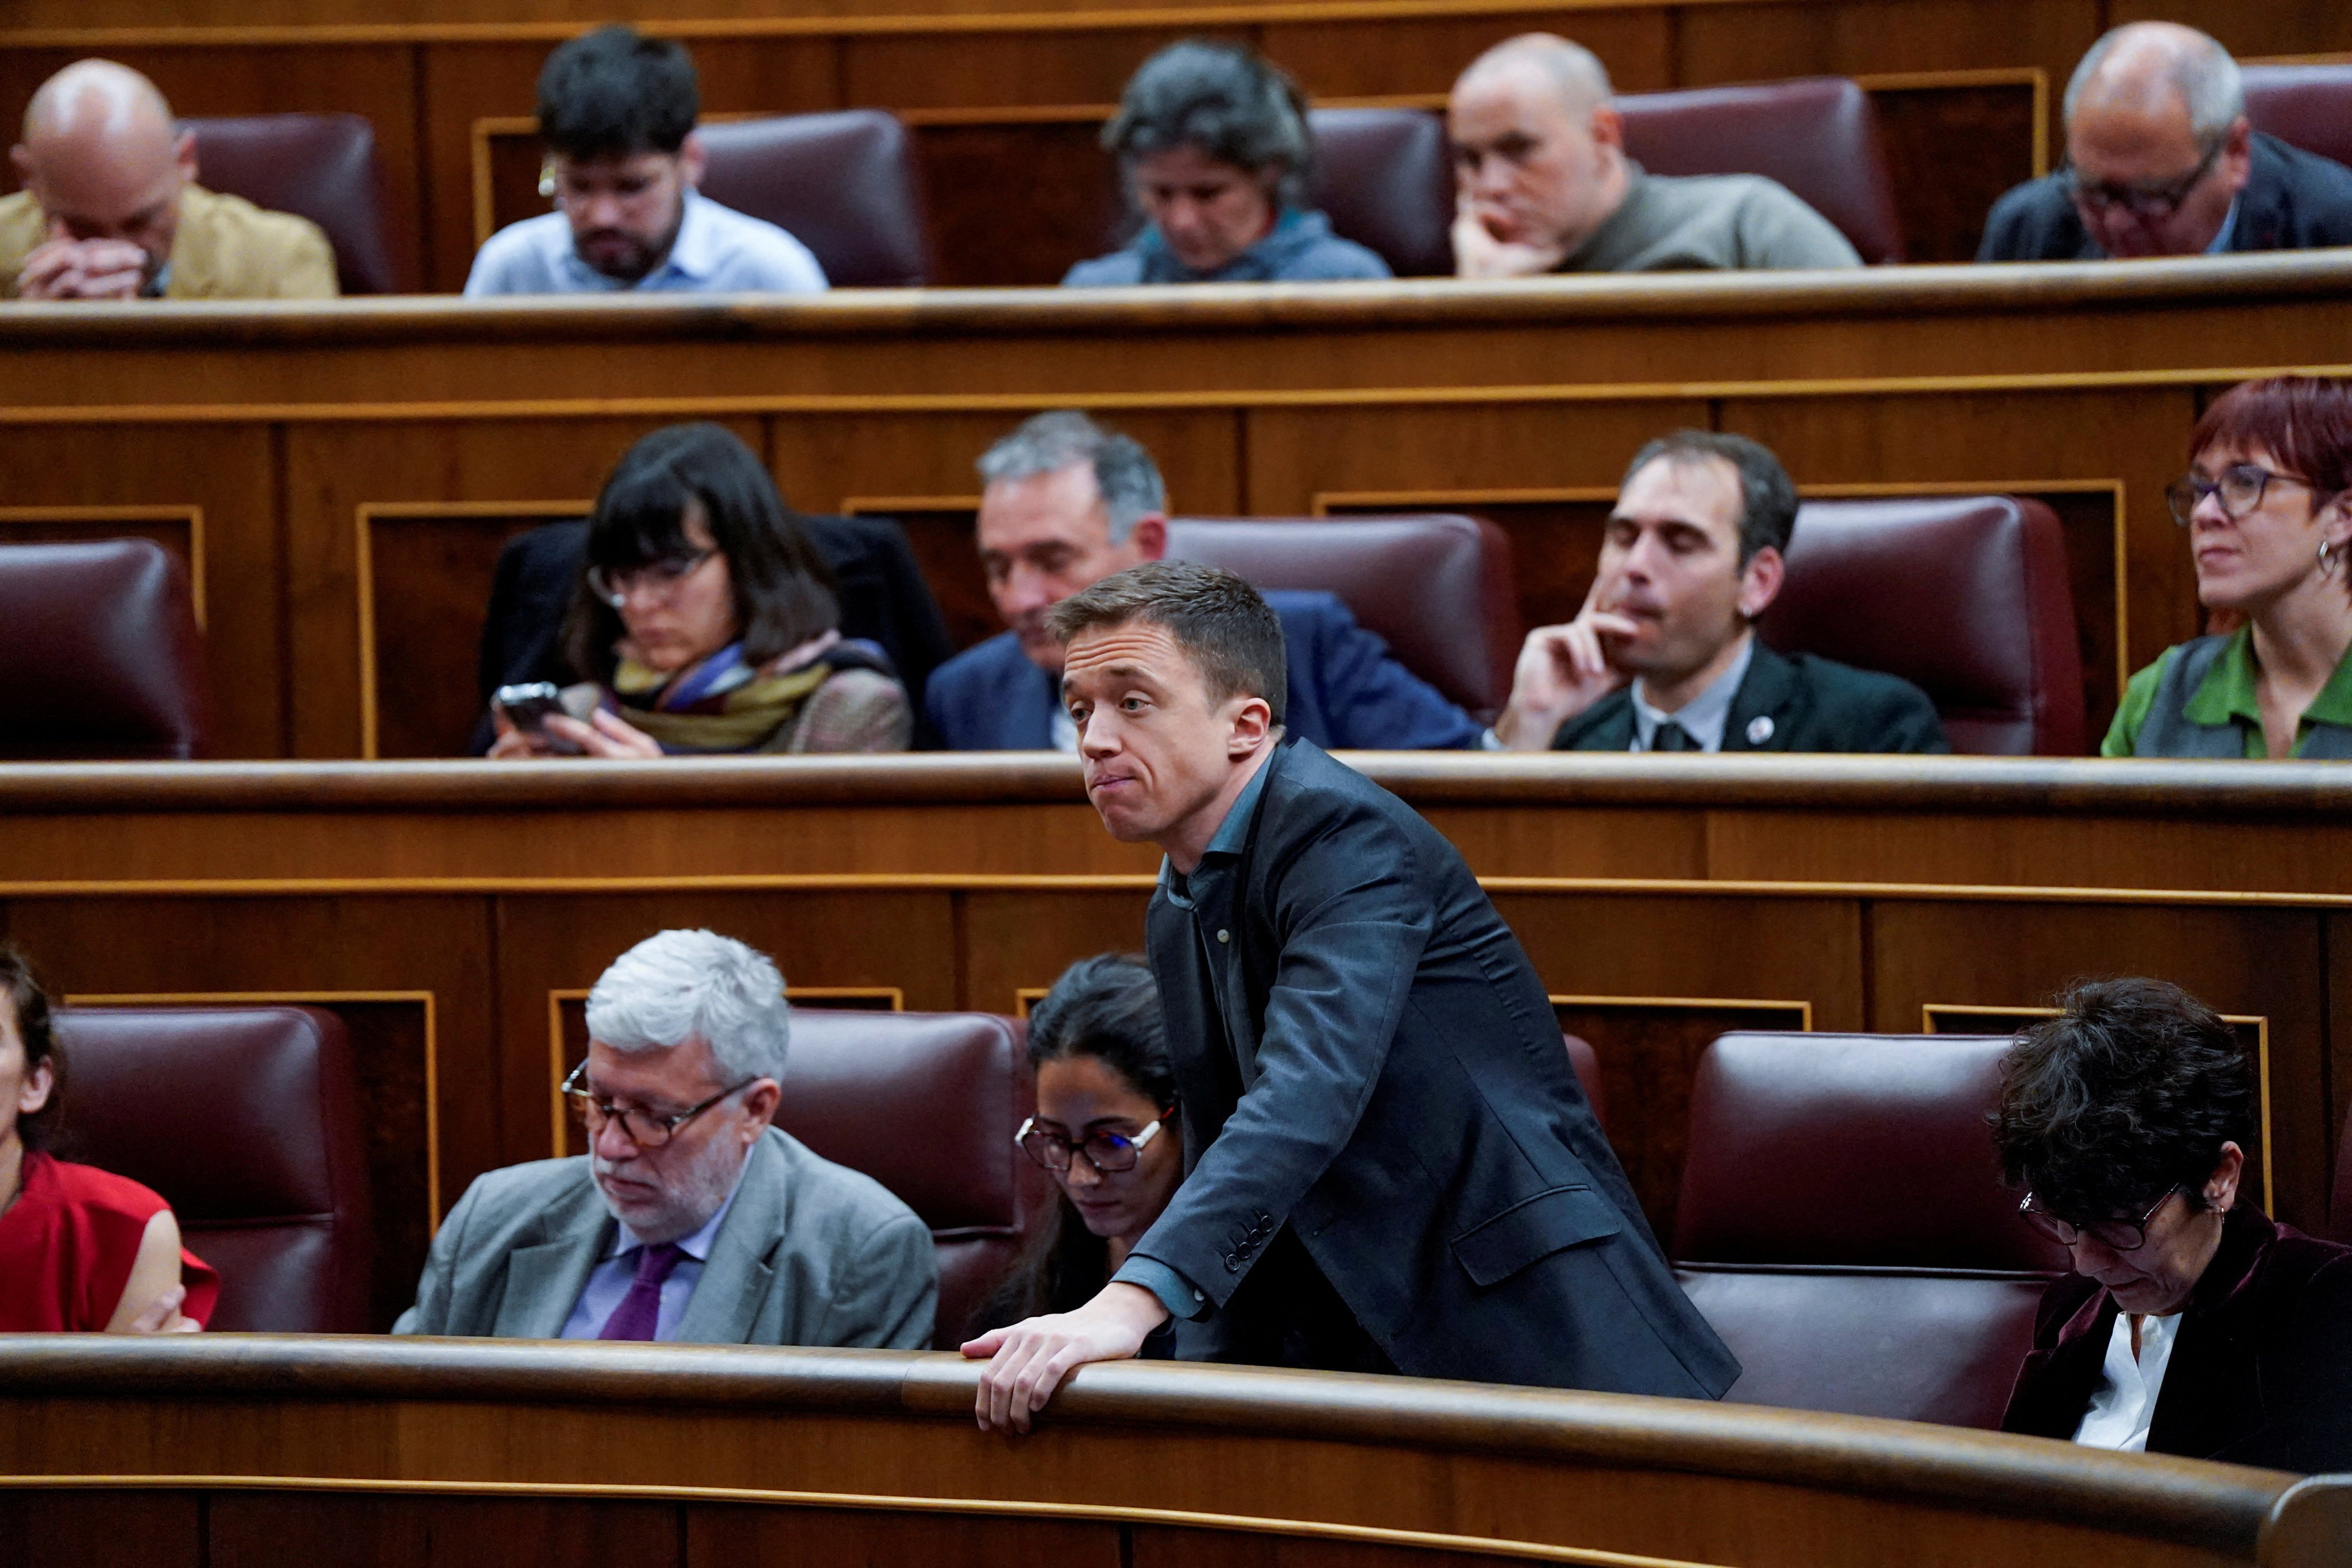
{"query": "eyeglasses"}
pixel 1109 1152
pixel 659 577
pixel 2150 204
pixel 638 1125
pixel 2114 1235
pixel 2240 486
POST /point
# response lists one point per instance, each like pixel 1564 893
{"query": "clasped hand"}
pixel 1028 1360
pixel 64 267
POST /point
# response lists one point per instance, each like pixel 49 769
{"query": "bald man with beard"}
pixel 111 209
pixel 2161 161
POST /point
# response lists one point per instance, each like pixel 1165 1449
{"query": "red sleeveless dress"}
pixel 66 1244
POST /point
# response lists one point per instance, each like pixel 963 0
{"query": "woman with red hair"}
pixel 2267 502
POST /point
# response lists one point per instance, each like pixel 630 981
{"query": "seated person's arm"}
pixel 889 1297
pixel 1562 671
pixel 151 1301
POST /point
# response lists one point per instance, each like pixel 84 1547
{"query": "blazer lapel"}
pixel 736 1276
pixel 544 1283
pixel 1759 719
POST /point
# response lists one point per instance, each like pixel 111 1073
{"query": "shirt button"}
pixel 1224 936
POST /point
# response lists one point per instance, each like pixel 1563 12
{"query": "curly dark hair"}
pixel 31 1005
pixel 2132 1090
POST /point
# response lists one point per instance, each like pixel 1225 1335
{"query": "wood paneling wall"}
pixel 429 1452
pixel 350 470
pixel 1005 103
pixel 1661 902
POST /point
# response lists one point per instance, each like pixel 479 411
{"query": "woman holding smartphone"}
pixel 705 622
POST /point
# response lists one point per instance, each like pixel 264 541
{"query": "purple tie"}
pixel 639 1313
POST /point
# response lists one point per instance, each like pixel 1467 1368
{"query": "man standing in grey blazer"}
pixel 691 1218
pixel 1388 1165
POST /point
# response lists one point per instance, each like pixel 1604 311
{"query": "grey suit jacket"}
pixel 810 1254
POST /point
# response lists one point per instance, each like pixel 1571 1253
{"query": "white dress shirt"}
pixel 2125 1403
pixel 1705 715
pixel 718 251
pixel 602 1296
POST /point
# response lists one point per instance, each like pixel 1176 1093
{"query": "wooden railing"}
pixel 245 1450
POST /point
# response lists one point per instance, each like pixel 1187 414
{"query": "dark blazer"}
pixel 2262 1374
pixel 1792 702
pixel 1346 691
pixel 2292 200
pixel 1385 1088
pixel 883 597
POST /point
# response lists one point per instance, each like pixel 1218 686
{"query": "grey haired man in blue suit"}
pixel 1389 1163
pixel 1068 503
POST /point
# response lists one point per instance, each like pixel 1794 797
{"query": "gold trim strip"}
pixel 1805 1010
pixel 1235 398
pixel 319 999
pixel 1107 20
pixel 135 511
pixel 982 882
pixel 1484 1546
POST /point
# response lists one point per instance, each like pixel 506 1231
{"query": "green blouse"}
pixel 2227 695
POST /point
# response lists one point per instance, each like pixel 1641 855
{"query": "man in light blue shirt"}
pixel 616 112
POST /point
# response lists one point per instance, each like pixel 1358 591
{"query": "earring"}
pixel 2326 563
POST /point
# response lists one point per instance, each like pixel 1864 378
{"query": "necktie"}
pixel 639 1313
pixel 1670 736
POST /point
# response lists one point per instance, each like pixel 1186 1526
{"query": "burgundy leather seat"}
pixel 322 167
pixel 2309 107
pixel 1437 588
pixel 1965 596
pixel 247 1120
pixel 1385 179
pixel 842 183
pixel 1817 135
pixel 927 1104
pixel 101 646
pixel 1843 1226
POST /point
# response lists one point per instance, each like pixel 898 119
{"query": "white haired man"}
pixel 2162 161
pixel 691 1218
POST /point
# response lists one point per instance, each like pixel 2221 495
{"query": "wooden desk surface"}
pixel 341 478
pixel 242 1444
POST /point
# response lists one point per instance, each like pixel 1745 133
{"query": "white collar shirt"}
pixel 718 251
pixel 1702 718
pixel 2124 1403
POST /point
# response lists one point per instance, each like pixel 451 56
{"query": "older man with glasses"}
pixel 691 1217
pixel 2161 161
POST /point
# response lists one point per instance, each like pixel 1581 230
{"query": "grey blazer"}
pixel 811 1254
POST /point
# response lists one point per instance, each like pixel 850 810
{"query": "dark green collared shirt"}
pixel 2227 695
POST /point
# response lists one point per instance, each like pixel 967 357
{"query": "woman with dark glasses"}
pixel 704 621
pixel 2267 505
pixel 1105 1130
pixel 2191 1324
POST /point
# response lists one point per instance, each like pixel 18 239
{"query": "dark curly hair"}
pixel 1224 100
pixel 31 1005
pixel 2132 1090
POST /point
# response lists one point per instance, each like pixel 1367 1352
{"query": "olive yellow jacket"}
pixel 227 248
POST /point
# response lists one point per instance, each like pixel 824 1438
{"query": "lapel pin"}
pixel 1760 729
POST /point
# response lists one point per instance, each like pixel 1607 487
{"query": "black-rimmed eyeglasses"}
pixel 1108 1152
pixel 2240 486
pixel 2114 1235
pixel 646 1129
pixel 614 585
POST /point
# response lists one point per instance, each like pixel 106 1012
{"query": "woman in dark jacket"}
pixel 1105 1130
pixel 2191 1324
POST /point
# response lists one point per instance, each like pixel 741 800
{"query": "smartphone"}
pixel 528 708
